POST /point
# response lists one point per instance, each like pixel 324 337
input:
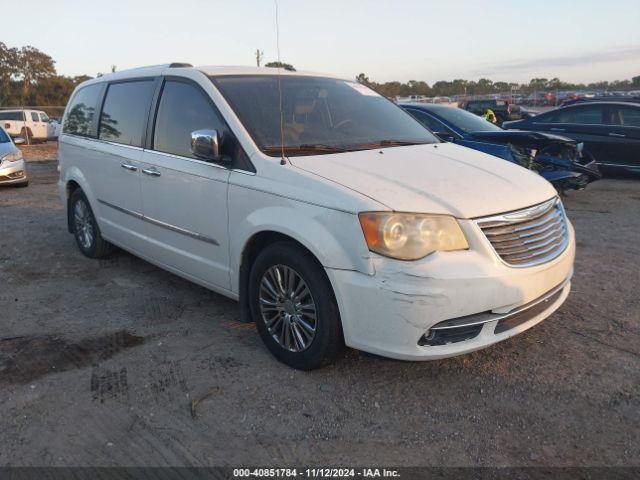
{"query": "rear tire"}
pixel 85 228
pixel 294 307
pixel 26 134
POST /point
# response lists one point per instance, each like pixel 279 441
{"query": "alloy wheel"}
pixel 287 307
pixel 83 223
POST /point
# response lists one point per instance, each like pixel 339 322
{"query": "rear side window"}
pixel 34 117
pixel 11 116
pixel 81 113
pixel 183 109
pixel 125 111
pixel 626 116
pixel 4 138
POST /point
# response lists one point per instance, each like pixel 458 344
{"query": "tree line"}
pixel 485 86
pixel 28 77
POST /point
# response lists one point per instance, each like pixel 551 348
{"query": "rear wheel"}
pixel 85 227
pixel 27 135
pixel 294 307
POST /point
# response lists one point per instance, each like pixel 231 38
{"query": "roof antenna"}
pixel 283 160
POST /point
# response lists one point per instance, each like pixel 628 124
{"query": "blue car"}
pixel 560 160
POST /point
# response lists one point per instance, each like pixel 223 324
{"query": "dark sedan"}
pixel 610 131
pixel 557 159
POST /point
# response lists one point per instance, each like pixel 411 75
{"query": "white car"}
pixel 12 166
pixel 327 211
pixel 33 125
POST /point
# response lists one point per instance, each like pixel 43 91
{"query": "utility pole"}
pixel 259 55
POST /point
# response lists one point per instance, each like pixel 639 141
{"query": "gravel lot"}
pixel 116 362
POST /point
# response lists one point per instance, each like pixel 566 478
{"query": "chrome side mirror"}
pixel 205 144
pixel 18 141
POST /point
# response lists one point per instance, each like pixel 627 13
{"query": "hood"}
pixel 6 148
pixel 522 138
pixel 440 178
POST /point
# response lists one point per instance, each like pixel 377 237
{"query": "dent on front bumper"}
pixel 13 172
pixel 392 312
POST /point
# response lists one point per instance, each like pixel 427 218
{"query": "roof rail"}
pixel 180 65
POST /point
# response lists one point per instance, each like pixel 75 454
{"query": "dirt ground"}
pixel 116 362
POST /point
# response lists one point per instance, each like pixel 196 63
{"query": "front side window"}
pixel 428 121
pixel 125 111
pixel 319 115
pixel 584 114
pixel 44 117
pixel 466 121
pixel 184 109
pixel 81 113
pixel 4 138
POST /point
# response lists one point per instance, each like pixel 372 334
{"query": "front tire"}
pixel 294 308
pixel 85 228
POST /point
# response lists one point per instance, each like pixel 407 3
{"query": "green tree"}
pixel 363 79
pixel 33 65
pixel 8 68
pixel 286 66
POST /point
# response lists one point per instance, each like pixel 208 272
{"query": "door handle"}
pixel 131 168
pixel 619 135
pixel 557 129
pixel 151 171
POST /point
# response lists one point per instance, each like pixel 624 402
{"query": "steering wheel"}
pixel 342 123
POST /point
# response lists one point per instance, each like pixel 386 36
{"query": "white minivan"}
pixel 326 210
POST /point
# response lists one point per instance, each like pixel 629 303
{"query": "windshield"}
pixel 319 115
pixel 466 121
pixel 4 138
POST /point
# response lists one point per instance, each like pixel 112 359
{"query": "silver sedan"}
pixel 12 165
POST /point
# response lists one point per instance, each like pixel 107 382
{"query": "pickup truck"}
pixel 32 125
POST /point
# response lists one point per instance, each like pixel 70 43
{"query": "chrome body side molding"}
pixel 153 221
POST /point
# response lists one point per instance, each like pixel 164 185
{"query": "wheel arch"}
pixel 255 244
pixel 73 181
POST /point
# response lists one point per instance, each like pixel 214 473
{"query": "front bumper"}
pixel 392 312
pixel 13 172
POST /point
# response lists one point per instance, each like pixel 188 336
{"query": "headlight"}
pixel 410 236
pixel 13 156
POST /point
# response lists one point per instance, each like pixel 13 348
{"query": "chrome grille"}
pixel 528 237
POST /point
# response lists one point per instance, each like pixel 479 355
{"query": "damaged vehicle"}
pixel 327 211
pixel 560 160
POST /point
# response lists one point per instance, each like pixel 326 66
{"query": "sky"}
pixel 577 41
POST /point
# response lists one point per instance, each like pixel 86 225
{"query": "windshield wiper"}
pixel 305 147
pixel 386 143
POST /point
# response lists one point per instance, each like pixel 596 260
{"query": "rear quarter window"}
pixel 12 116
pixel 82 111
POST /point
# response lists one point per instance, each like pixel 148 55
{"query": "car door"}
pixel 115 173
pixel 185 197
pixel 38 127
pixel 583 123
pixel 624 130
pixel 49 127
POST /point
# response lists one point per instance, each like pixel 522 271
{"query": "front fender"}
pixel 334 237
pixel 74 174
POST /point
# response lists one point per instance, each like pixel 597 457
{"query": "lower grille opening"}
pixel 450 335
pixel 526 315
